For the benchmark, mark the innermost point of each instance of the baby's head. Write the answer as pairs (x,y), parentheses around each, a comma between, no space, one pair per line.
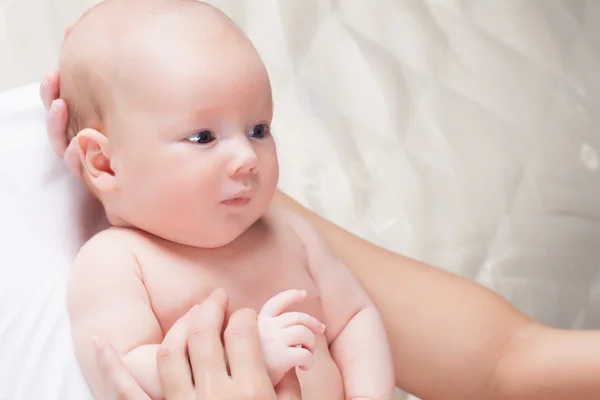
(170,106)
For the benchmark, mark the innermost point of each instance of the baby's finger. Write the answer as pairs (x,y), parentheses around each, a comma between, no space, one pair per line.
(299,357)
(173,366)
(299,335)
(297,318)
(278,303)
(117,380)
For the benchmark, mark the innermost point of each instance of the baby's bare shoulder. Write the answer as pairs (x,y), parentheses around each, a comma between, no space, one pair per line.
(116,239)
(111,249)
(105,269)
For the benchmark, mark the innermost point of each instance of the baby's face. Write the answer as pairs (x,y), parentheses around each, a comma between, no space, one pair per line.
(190,142)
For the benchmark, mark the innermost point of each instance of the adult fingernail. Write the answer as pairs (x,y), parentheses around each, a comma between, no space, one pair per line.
(190,314)
(98,345)
(194,309)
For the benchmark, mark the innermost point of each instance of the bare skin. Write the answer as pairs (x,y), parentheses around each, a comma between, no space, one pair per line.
(487,350)
(175,143)
(199,333)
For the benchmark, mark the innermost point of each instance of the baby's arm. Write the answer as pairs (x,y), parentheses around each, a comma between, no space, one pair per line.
(107,297)
(355,331)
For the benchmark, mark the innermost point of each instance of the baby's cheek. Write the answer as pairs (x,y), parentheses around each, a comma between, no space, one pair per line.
(269,171)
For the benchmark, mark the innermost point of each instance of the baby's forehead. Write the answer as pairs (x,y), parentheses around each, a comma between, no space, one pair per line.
(134,52)
(116,39)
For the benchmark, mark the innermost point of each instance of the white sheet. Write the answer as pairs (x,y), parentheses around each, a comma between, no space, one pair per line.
(460,132)
(39,237)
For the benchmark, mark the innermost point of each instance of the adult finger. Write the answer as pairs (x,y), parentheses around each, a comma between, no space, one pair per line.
(205,324)
(72,160)
(289,387)
(173,367)
(118,381)
(56,112)
(244,351)
(49,89)
(278,303)
(56,125)
(297,318)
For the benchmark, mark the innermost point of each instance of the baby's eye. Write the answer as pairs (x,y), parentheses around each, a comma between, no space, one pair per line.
(202,137)
(259,131)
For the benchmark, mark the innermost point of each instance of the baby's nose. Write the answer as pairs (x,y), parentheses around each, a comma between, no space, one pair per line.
(244,163)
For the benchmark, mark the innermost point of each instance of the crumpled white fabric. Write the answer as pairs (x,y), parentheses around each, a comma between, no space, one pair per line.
(463,133)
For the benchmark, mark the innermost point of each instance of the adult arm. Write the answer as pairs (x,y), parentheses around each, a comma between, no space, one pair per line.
(451,338)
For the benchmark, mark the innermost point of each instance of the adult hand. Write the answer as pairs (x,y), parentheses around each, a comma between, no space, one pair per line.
(56,120)
(199,332)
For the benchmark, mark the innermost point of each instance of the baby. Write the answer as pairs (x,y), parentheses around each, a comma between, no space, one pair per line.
(171,110)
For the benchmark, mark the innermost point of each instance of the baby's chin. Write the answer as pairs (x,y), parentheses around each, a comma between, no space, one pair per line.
(211,241)
(201,231)
(204,238)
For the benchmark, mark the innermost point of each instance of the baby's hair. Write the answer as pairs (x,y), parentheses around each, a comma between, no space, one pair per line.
(84,107)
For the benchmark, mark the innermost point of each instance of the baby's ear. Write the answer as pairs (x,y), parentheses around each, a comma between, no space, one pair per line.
(94,153)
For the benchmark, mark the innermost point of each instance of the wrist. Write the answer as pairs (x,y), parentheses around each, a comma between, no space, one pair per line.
(141,363)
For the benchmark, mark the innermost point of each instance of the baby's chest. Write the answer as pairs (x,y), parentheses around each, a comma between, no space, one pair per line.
(176,282)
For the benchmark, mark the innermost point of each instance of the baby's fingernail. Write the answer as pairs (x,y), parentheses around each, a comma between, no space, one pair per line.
(53,107)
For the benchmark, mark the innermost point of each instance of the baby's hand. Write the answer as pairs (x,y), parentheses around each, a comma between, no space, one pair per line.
(287,339)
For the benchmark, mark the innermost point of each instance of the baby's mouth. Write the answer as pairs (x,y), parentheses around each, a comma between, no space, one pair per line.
(236,202)
(241,198)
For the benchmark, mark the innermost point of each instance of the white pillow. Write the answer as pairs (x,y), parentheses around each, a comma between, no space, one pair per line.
(41,230)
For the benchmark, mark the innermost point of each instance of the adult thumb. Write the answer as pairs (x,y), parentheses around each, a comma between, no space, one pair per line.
(289,387)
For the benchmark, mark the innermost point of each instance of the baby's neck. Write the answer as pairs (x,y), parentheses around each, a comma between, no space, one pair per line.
(239,244)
